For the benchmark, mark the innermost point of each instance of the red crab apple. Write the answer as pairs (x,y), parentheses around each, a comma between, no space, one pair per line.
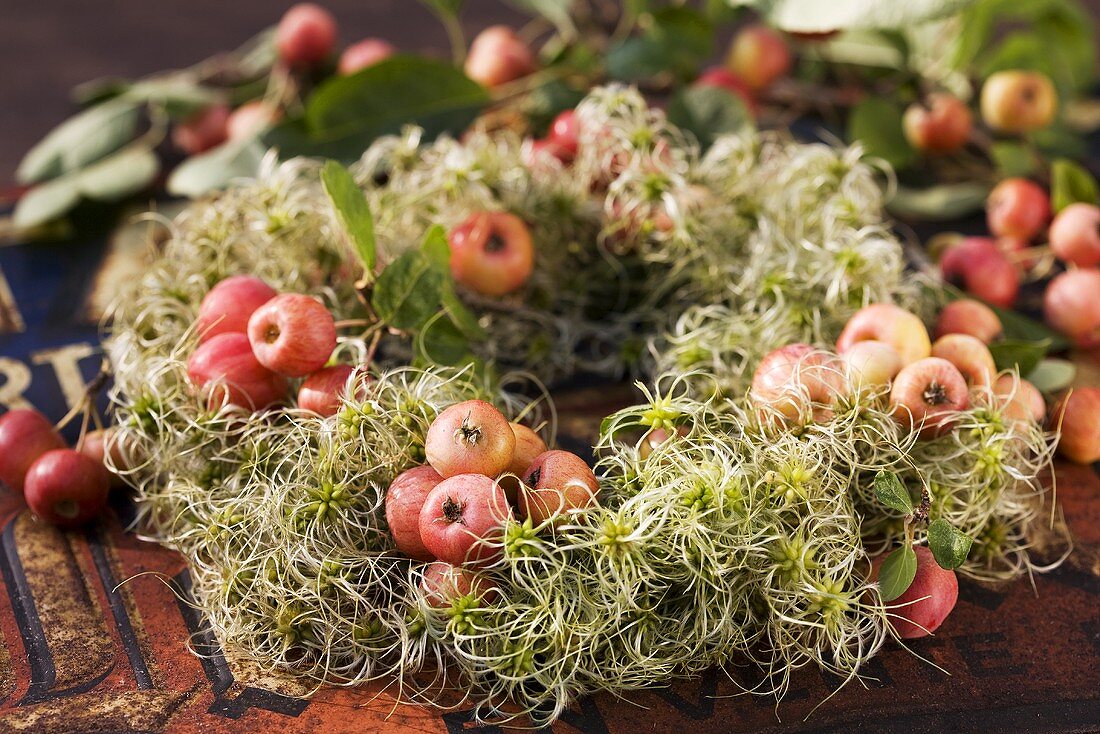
(759,55)
(306,35)
(226,369)
(227,307)
(558,484)
(926,394)
(872,363)
(790,376)
(967,316)
(528,447)
(942,124)
(1077,416)
(96,445)
(654,438)
(204,130)
(66,488)
(497,56)
(1017,101)
(565,134)
(320,392)
(1017,208)
(443,584)
(980,267)
(1075,235)
(471,437)
(292,334)
(970,356)
(1071,306)
(722,78)
(492,253)
(887,323)
(25,435)
(927,602)
(362,54)
(251,119)
(1020,400)
(463,518)
(404,501)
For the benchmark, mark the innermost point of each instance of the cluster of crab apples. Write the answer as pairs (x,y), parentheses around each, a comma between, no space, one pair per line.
(482,472)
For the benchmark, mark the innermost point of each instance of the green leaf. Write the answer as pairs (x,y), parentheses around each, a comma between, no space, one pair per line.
(943,202)
(891,492)
(555,11)
(1014,159)
(46,202)
(897,572)
(876,122)
(635,59)
(1023,355)
(816,16)
(352,210)
(1052,375)
(409,291)
(440,341)
(1019,327)
(674,39)
(81,139)
(1071,183)
(1058,140)
(708,112)
(949,545)
(436,247)
(216,168)
(177,93)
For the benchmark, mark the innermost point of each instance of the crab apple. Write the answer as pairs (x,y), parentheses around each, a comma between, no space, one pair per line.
(462,517)
(443,584)
(789,376)
(722,78)
(227,369)
(759,55)
(927,602)
(941,125)
(95,446)
(1019,399)
(872,363)
(1070,305)
(887,323)
(1075,235)
(926,393)
(979,267)
(206,129)
(970,356)
(306,35)
(1077,417)
(654,438)
(538,151)
(1018,208)
(565,133)
(251,119)
(227,307)
(1018,101)
(292,334)
(492,253)
(362,54)
(471,437)
(66,488)
(25,435)
(497,56)
(557,484)
(320,391)
(404,501)
(967,316)
(529,445)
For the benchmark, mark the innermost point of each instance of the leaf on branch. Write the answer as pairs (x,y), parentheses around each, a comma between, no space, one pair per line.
(876,123)
(949,545)
(352,211)
(891,492)
(1071,183)
(708,112)
(897,572)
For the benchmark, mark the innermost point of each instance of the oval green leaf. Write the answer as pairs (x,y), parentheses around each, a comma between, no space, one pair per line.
(352,211)
(876,123)
(897,572)
(1052,375)
(708,112)
(46,202)
(120,175)
(949,545)
(1071,183)
(81,139)
(891,492)
(938,203)
(216,168)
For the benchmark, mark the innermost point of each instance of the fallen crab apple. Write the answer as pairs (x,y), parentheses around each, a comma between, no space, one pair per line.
(66,488)
(887,323)
(927,391)
(320,391)
(497,56)
(529,445)
(1070,305)
(980,267)
(1075,235)
(940,124)
(1077,416)
(463,519)
(292,334)
(1017,208)
(970,356)
(926,603)
(791,377)
(443,584)
(405,499)
(557,485)
(967,316)
(25,435)
(1015,101)
(306,35)
(227,307)
(871,363)
(471,437)
(492,253)
(226,370)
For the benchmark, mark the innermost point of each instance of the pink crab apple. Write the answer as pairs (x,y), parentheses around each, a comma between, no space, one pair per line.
(872,363)
(492,253)
(227,307)
(1019,399)
(980,268)
(66,488)
(565,134)
(654,438)
(226,369)
(365,53)
(926,394)
(759,55)
(927,602)
(320,392)
(470,437)
(790,376)
(970,356)
(25,435)
(306,35)
(1017,101)
(96,445)
(1075,235)
(404,500)
(498,56)
(443,584)
(529,445)
(1071,306)
(463,519)
(722,78)
(557,485)
(251,119)
(967,316)
(292,334)
(206,129)
(1077,417)
(887,323)
(1017,208)
(940,125)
